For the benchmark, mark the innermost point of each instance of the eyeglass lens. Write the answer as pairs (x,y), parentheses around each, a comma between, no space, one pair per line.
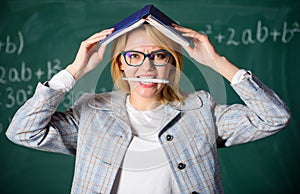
(136,58)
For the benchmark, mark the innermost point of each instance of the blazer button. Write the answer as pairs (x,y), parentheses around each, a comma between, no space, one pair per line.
(181,166)
(169,137)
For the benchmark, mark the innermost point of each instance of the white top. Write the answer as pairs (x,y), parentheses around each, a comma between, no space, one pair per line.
(145,168)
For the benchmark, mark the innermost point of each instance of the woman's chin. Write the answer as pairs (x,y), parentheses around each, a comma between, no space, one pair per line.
(148,90)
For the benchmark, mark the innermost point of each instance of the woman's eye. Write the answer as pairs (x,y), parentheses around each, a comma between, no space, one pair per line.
(135,56)
(132,55)
(160,56)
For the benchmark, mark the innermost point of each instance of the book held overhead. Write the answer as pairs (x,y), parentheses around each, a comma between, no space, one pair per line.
(153,16)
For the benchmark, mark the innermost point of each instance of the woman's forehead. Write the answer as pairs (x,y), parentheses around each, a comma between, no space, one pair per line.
(140,39)
(143,47)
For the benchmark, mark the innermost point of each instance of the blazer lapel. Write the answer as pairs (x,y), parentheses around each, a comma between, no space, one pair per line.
(173,109)
(114,103)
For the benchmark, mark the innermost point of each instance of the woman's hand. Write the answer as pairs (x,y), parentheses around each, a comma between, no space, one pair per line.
(204,52)
(88,55)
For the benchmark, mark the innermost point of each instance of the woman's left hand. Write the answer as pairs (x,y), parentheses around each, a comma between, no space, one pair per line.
(202,51)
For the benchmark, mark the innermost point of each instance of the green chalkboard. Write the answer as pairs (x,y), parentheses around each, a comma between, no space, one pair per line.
(39,38)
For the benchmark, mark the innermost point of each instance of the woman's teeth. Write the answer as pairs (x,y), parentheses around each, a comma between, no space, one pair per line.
(144,79)
(147,80)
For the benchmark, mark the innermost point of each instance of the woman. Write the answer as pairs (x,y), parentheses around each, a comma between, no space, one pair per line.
(148,137)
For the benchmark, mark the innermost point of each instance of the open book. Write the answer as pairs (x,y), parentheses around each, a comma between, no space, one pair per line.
(154,17)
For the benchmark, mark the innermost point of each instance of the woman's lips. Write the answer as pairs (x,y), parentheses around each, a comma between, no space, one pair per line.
(147,85)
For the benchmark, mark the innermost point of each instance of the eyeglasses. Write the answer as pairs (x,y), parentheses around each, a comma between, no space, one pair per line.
(137,58)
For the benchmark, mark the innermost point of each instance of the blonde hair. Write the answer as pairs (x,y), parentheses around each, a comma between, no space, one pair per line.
(171,91)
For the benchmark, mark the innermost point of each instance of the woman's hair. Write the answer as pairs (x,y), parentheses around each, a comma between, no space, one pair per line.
(170,91)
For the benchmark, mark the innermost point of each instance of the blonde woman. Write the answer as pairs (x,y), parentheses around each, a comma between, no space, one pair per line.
(148,137)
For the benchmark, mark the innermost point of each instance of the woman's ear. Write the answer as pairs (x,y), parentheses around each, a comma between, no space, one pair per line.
(122,67)
(121,64)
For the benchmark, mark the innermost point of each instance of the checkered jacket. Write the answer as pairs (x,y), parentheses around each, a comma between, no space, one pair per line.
(97,130)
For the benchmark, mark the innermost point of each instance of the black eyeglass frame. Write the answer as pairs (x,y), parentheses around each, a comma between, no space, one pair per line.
(123,53)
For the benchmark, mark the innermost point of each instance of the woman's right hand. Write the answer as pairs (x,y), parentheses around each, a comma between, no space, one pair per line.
(88,55)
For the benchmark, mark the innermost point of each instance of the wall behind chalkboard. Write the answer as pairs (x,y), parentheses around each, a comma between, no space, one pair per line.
(39,38)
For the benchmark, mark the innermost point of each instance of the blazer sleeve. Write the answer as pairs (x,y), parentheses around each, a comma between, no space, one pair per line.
(37,124)
(263,114)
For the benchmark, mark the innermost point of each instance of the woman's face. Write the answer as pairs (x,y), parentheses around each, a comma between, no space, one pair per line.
(140,41)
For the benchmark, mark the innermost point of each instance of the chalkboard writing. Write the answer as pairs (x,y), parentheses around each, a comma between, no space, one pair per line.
(248,36)
(10,46)
(23,74)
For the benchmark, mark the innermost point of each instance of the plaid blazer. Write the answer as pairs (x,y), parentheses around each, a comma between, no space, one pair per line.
(97,130)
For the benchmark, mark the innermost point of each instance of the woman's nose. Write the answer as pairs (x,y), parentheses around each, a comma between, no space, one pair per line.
(147,64)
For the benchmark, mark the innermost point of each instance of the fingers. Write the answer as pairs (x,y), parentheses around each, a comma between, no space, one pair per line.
(103,32)
(182,29)
(190,33)
(101,50)
(88,43)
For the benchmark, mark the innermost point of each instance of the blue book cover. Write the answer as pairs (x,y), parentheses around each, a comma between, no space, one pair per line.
(151,15)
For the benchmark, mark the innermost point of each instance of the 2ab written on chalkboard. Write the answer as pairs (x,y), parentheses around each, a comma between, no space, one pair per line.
(234,37)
